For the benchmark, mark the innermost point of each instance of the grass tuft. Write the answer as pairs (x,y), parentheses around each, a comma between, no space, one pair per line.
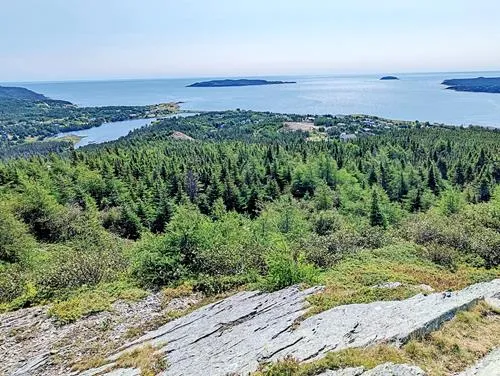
(145,358)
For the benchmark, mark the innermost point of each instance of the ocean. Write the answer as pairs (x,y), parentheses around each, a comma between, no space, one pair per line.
(412,97)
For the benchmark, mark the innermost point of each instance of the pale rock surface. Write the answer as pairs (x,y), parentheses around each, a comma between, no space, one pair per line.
(488,366)
(235,335)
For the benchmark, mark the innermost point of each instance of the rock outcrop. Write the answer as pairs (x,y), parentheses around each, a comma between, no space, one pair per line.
(387,369)
(235,335)
(32,343)
(488,366)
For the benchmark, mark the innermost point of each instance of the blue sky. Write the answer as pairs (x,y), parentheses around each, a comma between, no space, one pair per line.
(98,39)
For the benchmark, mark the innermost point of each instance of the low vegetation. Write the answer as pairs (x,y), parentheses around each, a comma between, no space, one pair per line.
(145,358)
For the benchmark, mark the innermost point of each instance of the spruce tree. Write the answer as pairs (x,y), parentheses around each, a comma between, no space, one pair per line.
(376,216)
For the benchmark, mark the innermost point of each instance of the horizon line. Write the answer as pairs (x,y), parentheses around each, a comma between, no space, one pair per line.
(149,78)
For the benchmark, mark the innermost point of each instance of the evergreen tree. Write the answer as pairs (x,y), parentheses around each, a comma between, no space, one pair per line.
(376,216)
(432,181)
(459,175)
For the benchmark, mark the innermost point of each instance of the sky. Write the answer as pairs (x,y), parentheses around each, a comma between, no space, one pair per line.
(55,40)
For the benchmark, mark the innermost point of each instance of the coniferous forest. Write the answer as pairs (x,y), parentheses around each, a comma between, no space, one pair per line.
(237,200)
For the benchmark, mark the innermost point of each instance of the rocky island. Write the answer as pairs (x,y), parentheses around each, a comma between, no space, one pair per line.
(239,82)
(476,85)
(389,78)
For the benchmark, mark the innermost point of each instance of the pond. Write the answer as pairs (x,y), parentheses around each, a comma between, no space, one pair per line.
(111,131)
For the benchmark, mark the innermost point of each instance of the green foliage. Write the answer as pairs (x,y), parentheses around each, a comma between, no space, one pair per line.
(15,241)
(85,301)
(156,263)
(451,202)
(214,285)
(286,269)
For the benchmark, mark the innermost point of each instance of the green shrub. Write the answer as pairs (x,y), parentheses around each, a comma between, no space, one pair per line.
(213,285)
(441,255)
(285,269)
(485,243)
(12,282)
(156,263)
(80,306)
(326,222)
(85,261)
(15,241)
(451,202)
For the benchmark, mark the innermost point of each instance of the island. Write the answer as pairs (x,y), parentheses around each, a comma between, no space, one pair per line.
(239,82)
(476,85)
(389,78)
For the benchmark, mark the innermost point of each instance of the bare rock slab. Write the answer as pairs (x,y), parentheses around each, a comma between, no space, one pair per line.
(238,333)
(488,366)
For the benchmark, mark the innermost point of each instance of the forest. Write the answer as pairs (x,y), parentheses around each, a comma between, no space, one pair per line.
(241,202)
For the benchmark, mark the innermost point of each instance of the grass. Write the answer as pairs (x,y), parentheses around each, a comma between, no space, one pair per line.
(352,279)
(457,345)
(89,363)
(183,290)
(88,301)
(145,358)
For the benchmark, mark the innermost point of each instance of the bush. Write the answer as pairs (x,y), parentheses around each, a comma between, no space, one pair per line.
(317,251)
(285,269)
(212,285)
(441,255)
(430,228)
(85,301)
(85,261)
(12,282)
(326,222)
(451,202)
(231,249)
(156,263)
(485,243)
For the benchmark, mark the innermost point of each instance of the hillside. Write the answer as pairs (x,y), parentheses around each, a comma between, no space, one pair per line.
(151,235)
(20,93)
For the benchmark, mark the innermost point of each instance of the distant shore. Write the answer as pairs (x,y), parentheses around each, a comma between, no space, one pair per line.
(475,85)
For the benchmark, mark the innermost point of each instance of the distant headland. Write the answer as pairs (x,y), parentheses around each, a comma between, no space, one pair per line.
(476,85)
(388,78)
(20,93)
(240,82)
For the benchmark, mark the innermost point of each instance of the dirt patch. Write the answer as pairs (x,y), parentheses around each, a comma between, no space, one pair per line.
(300,126)
(181,136)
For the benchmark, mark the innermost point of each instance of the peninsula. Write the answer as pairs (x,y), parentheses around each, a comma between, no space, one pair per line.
(477,85)
(20,93)
(239,82)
